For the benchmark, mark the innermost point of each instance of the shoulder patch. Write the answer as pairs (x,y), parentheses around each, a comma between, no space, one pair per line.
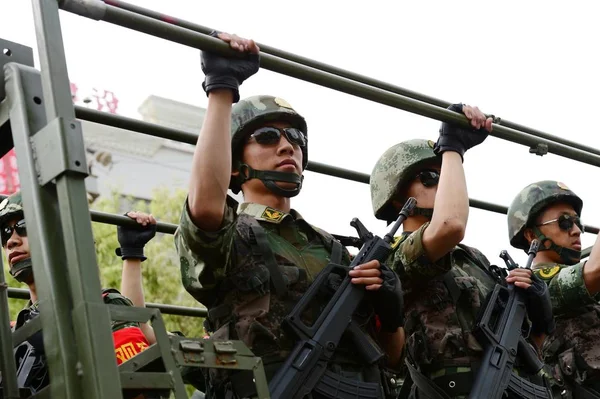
(562,185)
(272,214)
(430,143)
(398,240)
(548,272)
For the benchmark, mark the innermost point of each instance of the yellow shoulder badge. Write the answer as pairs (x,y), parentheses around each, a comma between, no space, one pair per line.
(272,215)
(562,185)
(430,143)
(398,240)
(548,272)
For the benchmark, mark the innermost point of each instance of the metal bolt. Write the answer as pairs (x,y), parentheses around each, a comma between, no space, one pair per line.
(392,381)
(452,384)
(568,368)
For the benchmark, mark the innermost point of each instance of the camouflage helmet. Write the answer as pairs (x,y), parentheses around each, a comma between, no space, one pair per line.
(394,170)
(251,113)
(11,207)
(533,199)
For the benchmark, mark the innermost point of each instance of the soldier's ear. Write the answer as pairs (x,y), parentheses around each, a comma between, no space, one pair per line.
(529,235)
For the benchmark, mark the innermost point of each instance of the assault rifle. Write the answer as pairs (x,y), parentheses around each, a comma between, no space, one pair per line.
(501,330)
(305,369)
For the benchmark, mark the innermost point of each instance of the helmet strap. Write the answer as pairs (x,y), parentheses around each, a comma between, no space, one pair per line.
(425,212)
(22,271)
(269,179)
(567,255)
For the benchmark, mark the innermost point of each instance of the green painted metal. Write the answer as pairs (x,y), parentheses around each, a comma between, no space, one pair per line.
(23,87)
(75,321)
(231,355)
(201,41)
(90,318)
(21,293)
(343,73)
(8,369)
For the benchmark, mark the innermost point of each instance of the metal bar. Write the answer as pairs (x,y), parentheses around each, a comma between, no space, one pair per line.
(20,293)
(109,218)
(141,360)
(341,72)
(89,317)
(197,40)
(132,380)
(23,87)
(26,331)
(8,369)
(164,345)
(190,138)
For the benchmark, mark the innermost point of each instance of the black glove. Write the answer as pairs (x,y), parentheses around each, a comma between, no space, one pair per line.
(133,239)
(539,307)
(227,72)
(388,301)
(458,139)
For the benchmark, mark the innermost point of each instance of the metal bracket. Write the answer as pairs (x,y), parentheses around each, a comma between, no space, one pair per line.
(540,149)
(13,52)
(20,54)
(191,346)
(58,149)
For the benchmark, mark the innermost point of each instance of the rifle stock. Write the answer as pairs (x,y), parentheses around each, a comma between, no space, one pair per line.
(305,369)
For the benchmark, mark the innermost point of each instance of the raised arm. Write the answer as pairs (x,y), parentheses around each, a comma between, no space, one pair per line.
(451,210)
(211,165)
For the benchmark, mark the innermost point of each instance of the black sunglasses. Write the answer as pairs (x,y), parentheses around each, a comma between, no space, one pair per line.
(272,135)
(7,231)
(565,222)
(429,178)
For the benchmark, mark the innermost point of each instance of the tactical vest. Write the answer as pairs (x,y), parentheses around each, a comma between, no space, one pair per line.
(458,296)
(256,297)
(573,350)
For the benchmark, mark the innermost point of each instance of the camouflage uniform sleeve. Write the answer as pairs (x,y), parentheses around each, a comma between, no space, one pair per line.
(410,259)
(567,289)
(204,255)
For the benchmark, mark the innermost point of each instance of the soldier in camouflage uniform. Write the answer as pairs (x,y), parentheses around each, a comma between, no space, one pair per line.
(128,337)
(444,281)
(549,211)
(249,264)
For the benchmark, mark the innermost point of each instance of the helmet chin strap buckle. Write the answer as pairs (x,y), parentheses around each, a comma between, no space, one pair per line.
(269,179)
(567,255)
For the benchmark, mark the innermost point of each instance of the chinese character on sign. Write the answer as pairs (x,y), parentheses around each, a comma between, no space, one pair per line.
(9,175)
(101,100)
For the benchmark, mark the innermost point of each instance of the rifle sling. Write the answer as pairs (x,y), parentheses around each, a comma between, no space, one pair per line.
(262,249)
(425,385)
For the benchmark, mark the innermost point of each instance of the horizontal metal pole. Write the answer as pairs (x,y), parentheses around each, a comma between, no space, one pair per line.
(198,40)
(586,252)
(343,73)
(190,138)
(119,220)
(20,293)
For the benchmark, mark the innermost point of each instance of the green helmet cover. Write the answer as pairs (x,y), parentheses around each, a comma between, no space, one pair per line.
(394,170)
(531,201)
(250,114)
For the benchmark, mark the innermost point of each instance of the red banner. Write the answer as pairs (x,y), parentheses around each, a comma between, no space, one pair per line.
(9,175)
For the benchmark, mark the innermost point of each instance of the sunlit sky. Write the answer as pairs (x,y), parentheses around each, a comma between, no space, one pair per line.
(534,63)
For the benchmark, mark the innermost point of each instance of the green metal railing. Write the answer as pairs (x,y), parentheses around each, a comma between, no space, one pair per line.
(51,161)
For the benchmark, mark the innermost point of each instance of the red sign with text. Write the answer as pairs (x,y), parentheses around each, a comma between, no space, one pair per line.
(101,100)
(9,175)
